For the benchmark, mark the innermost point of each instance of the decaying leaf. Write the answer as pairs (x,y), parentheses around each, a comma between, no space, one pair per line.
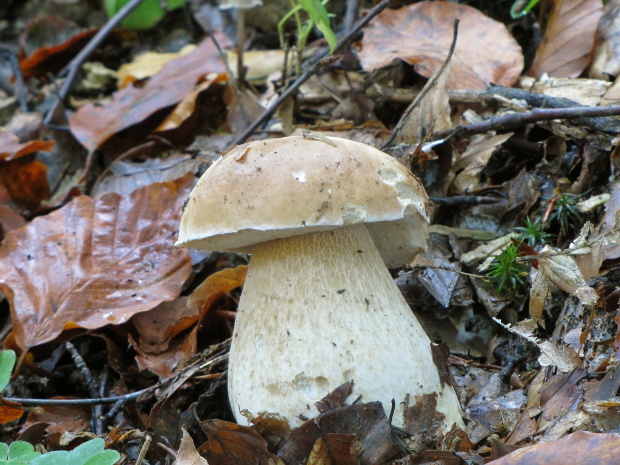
(420,34)
(540,290)
(216,286)
(562,356)
(580,448)
(187,454)
(147,64)
(232,444)
(334,448)
(92,126)
(94,262)
(562,270)
(429,112)
(471,162)
(606,60)
(566,48)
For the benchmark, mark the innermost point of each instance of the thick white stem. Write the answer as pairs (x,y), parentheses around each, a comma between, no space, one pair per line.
(319,310)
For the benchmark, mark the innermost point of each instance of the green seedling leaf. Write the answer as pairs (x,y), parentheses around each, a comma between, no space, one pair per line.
(105,457)
(86,451)
(21,451)
(7,361)
(18,453)
(59,457)
(522,7)
(146,15)
(319,16)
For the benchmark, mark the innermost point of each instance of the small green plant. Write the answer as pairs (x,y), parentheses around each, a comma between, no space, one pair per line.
(90,453)
(22,453)
(146,15)
(533,233)
(317,16)
(522,7)
(566,213)
(505,272)
(17,453)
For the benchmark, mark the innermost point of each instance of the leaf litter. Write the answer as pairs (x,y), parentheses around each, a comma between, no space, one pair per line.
(88,256)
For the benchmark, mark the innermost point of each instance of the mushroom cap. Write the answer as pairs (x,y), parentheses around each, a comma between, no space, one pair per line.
(277,188)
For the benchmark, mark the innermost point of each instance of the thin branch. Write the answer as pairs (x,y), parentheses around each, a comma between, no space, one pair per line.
(464,200)
(312,69)
(515,120)
(100,400)
(74,66)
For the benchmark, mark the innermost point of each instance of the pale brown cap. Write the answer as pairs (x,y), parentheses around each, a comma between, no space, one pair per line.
(278,188)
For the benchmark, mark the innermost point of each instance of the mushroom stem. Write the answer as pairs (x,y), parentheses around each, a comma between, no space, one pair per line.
(318,310)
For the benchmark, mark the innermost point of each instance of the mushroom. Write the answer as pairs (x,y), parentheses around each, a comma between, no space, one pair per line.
(321,217)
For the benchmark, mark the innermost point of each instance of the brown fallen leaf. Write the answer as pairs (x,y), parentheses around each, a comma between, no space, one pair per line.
(94,262)
(10,218)
(232,444)
(606,59)
(580,448)
(10,412)
(92,125)
(366,421)
(420,34)
(60,418)
(188,455)
(11,148)
(568,43)
(52,59)
(336,449)
(217,286)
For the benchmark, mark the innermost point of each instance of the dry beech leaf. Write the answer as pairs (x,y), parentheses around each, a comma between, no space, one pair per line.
(559,355)
(9,412)
(11,148)
(188,455)
(52,59)
(232,444)
(367,422)
(606,60)
(566,48)
(420,34)
(469,165)
(159,325)
(429,112)
(61,418)
(92,125)
(334,448)
(94,262)
(147,64)
(217,286)
(164,363)
(562,270)
(541,289)
(580,448)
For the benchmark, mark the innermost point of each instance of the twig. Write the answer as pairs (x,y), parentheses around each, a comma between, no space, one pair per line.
(85,373)
(312,69)
(72,69)
(20,87)
(100,400)
(514,120)
(98,419)
(425,90)
(464,200)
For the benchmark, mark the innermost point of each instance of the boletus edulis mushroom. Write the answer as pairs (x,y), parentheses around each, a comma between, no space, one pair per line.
(321,218)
